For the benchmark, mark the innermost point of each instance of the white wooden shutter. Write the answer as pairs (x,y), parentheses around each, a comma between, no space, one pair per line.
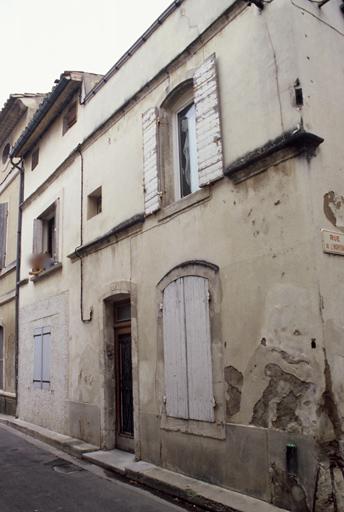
(57,230)
(46,357)
(37,358)
(208,124)
(37,247)
(175,351)
(151,178)
(198,343)
(3,233)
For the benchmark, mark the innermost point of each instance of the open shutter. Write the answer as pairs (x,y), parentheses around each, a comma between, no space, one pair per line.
(199,361)
(208,125)
(37,358)
(175,350)
(57,230)
(151,178)
(3,233)
(46,357)
(37,247)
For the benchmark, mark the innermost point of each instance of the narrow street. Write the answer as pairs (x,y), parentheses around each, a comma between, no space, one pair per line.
(33,479)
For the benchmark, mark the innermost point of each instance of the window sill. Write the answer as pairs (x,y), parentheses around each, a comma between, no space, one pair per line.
(6,270)
(215,430)
(46,273)
(184,203)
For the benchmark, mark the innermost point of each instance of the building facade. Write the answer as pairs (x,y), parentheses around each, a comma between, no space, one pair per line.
(182,235)
(15,114)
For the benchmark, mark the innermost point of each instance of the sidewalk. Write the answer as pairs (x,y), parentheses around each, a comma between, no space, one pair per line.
(186,489)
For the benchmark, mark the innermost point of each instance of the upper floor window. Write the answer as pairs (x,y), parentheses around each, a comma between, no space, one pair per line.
(185,146)
(182,143)
(3,233)
(6,152)
(34,158)
(94,203)
(70,116)
(45,240)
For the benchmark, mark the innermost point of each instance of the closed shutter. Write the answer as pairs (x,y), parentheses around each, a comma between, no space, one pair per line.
(208,125)
(3,233)
(151,177)
(37,358)
(199,361)
(46,356)
(175,350)
(37,247)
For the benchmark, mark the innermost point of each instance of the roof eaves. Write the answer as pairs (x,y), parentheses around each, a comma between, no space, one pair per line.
(133,49)
(43,109)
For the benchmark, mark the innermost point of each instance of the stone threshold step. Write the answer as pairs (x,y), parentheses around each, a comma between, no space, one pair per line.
(189,490)
(70,445)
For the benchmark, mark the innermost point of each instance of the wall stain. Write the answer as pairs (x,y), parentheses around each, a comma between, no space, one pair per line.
(278,404)
(287,491)
(234,381)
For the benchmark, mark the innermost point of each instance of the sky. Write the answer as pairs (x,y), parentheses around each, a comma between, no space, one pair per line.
(39,39)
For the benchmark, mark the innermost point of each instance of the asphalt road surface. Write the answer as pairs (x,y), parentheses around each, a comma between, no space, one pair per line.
(37,478)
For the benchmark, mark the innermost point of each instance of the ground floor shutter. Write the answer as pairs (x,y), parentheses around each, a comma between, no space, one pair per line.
(208,123)
(2,341)
(3,233)
(46,356)
(199,360)
(175,351)
(37,358)
(42,357)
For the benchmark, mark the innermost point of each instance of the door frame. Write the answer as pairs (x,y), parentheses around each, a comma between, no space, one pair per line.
(123,441)
(112,293)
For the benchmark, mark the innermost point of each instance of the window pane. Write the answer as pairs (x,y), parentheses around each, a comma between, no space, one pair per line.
(123,312)
(188,151)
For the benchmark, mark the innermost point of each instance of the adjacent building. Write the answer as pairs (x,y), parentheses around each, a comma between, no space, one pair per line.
(182,239)
(15,114)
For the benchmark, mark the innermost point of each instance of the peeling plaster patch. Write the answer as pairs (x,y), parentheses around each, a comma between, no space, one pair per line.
(280,400)
(288,357)
(334,209)
(234,381)
(287,487)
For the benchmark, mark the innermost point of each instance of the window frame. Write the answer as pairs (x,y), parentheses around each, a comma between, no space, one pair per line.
(215,429)
(40,238)
(93,200)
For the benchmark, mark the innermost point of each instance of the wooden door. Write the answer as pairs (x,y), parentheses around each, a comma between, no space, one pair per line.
(124,380)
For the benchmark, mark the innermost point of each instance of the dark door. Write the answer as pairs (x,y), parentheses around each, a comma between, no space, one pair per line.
(124,379)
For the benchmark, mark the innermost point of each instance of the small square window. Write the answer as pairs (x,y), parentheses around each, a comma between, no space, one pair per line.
(34,159)
(94,203)
(70,117)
